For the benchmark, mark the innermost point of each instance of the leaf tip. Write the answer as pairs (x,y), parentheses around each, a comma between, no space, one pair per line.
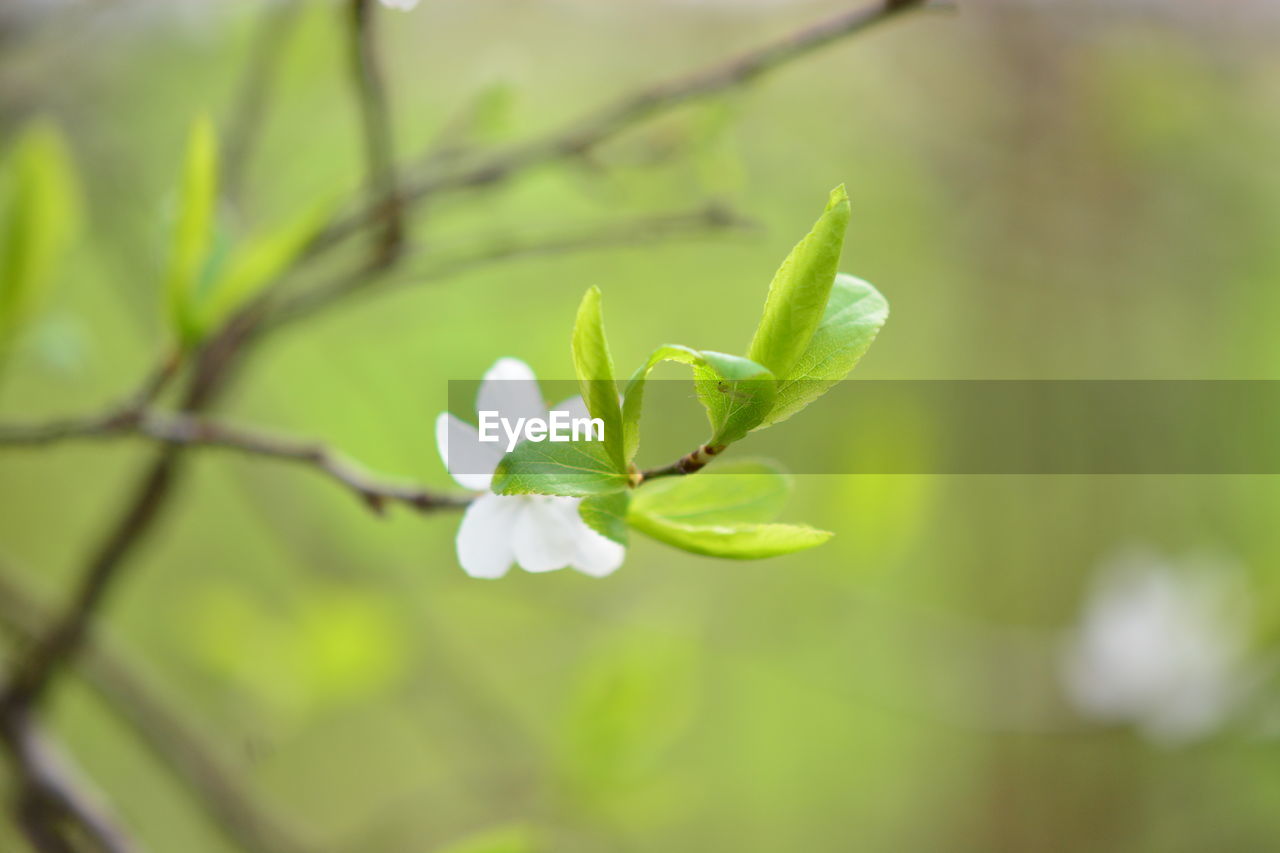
(839,196)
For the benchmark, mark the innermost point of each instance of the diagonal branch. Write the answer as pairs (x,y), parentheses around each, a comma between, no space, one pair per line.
(55,806)
(34,671)
(634,232)
(601,125)
(169,738)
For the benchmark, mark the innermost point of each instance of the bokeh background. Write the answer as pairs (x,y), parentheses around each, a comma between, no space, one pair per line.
(1041,190)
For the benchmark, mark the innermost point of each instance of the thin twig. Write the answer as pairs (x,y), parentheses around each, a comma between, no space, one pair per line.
(386,204)
(114,417)
(629,233)
(690,463)
(170,739)
(601,125)
(376,493)
(190,431)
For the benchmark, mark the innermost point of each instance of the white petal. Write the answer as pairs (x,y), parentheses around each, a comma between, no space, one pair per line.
(468,460)
(486,534)
(511,389)
(579,546)
(545,538)
(597,555)
(402,5)
(593,554)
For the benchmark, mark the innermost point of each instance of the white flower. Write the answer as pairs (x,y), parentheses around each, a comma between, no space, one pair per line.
(402,5)
(539,532)
(1161,647)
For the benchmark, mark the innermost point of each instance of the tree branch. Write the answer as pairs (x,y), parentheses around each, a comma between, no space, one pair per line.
(166,735)
(115,416)
(54,805)
(189,431)
(628,233)
(375,492)
(599,126)
(690,463)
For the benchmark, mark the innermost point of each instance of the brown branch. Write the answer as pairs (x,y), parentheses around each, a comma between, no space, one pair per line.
(58,643)
(690,463)
(55,806)
(376,493)
(170,739)
(115,416)
(628,233)
(189,431)
(386,205)
(601,125)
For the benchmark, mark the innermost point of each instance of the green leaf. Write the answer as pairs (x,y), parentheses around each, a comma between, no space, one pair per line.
(42,213)
(594,366)
(193,231)
(854,316)
(574,468)
(730,541)
(256,265)
(799,290)
(607,515)
(738,491)
(736,392)
(720,514)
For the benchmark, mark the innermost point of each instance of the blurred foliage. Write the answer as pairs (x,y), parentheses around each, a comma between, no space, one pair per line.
(40,216)
(1040,190)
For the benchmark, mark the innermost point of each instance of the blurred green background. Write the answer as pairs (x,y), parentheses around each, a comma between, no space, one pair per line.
(1041,190)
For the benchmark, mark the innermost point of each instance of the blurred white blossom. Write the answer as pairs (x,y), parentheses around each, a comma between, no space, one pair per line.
(538,532)
(402,5)
(1161,646)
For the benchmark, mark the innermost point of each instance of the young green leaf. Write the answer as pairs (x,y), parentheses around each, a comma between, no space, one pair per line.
(736,392)
(854,316)
(722,514)
(799,290)
(607,515)
(594,366)
(740,491)
(256,265)
(41,213)
(573,468)
(730,541)
(193,231)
